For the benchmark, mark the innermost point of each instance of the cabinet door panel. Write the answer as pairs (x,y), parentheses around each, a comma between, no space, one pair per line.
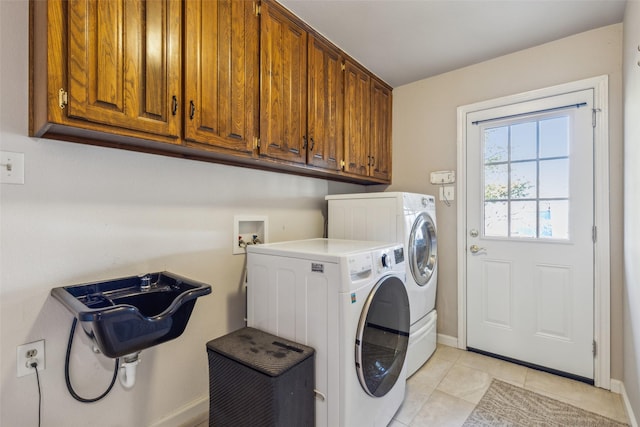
(380,131)
(357,119)
(325,93)
(283,100)
(221,73)
(154,78)
(124,63)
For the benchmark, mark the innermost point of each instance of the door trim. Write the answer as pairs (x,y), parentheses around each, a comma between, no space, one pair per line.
(602,277)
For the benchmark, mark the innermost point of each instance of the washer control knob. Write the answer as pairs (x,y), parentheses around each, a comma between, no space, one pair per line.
(386,261)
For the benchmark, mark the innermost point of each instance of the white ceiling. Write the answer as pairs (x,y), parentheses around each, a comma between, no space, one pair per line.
(403,41)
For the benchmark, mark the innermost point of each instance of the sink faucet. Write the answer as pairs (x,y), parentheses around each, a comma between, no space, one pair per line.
(145,282)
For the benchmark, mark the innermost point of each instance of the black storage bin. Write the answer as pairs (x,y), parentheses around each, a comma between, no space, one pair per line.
(259,379)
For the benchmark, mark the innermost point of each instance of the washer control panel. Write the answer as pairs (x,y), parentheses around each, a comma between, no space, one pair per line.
(363,265)
(389,259)
(360,264)
(398,255)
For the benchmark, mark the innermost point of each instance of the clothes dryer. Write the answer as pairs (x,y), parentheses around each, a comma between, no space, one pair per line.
(406,218)
(347,300)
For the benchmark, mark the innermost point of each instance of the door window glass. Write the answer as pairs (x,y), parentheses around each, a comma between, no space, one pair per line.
(423,249)
(526,178)
(383,337)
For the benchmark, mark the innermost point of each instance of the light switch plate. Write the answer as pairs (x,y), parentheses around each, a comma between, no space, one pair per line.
(11,167)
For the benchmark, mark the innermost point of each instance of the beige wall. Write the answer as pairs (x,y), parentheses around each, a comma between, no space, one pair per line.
(424,138)
(631,295)
(88,213)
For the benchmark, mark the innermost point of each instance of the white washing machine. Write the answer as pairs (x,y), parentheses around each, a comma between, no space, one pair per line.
(348,300)
(407,218)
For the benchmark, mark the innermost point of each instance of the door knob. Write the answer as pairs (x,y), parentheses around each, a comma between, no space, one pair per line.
(475,249)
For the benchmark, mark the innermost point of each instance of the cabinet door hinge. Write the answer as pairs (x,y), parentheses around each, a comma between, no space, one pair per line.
(343,66)
(256,8)
(63,98)
(595,348)
(256,143)
(342,164)
(594,234)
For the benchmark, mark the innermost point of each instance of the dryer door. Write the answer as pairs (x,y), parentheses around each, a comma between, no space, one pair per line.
(383,336)
(423,249)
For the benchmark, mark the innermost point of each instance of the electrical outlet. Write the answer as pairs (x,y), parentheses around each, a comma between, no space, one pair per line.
(28,353)
(447,192)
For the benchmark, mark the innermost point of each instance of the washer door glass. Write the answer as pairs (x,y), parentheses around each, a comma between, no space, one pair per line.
(383,336)
(423,249)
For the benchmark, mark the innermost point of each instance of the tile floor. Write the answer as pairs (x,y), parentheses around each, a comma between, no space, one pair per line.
(446,389)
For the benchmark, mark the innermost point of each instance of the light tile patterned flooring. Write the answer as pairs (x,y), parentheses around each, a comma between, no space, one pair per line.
(446,389)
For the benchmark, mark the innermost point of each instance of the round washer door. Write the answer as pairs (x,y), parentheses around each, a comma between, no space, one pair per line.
(383,336)
(423,249)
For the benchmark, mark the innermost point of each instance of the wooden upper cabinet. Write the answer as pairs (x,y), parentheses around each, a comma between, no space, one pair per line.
(325,122)
(367,124)
(222,78)
(283,93)
(380,165)
(124,62)
(357,119)
(235,81)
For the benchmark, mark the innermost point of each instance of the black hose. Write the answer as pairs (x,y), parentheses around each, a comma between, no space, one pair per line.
(66,371)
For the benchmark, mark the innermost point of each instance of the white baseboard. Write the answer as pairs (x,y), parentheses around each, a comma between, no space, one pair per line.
(189,415)
(448,340)
(617,386)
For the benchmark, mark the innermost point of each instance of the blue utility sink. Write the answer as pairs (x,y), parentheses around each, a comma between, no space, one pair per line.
(129,314)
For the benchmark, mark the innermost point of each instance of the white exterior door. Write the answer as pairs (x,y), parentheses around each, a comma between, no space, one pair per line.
(530,218)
